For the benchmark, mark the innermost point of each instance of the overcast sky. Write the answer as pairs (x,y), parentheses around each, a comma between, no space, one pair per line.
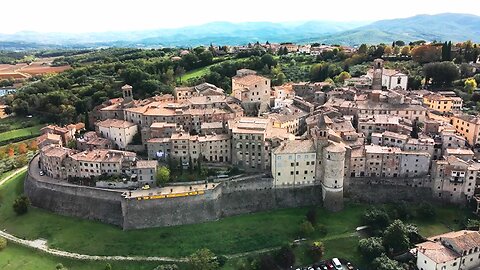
(112,15)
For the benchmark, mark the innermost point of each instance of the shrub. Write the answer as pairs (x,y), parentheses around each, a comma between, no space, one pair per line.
(306,228)
(20,205)
(3,243)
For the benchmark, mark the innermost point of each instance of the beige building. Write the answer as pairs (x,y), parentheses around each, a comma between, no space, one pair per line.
(382,123)
(47,139)
(442,104)
(204,89)
(252,142)
(293,163)
(90,141)
(392,162)
(186,148)
(454,179)
(251,88)
(468,126)
(450,251)
(52,160)
(120,132)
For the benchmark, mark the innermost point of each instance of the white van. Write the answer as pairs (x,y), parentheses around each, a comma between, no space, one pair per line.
(337,264)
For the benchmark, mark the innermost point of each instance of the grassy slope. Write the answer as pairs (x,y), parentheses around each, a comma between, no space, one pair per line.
(16,257)
(226,236)
(229,235)
(22,132)
(195,73)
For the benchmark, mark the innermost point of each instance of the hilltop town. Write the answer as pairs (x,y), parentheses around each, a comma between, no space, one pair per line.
(144,143)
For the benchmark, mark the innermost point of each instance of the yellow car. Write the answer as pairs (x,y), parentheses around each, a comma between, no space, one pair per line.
(146,187)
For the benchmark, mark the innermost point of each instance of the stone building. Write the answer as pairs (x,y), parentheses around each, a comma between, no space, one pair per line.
(252,90)
(454,179)
(120,132)
(252,142)
(387,78)
(293,163)
(450,251)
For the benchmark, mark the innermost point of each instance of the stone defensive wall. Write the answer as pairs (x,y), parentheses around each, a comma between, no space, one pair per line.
(228,197)
(373,190)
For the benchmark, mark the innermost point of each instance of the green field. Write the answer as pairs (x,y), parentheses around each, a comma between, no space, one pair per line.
(199,72)
(226,236)
(17,122)
(16,257)
(21,132)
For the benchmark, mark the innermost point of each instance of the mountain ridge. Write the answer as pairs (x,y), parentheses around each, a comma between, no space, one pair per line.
(444,26)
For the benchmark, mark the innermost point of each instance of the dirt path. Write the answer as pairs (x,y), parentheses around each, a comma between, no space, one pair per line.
(19,170)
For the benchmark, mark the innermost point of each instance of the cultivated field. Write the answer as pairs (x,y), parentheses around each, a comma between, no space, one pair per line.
(22,70)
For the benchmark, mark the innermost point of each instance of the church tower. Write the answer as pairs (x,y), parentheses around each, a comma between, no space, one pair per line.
(127,91)
(377,74)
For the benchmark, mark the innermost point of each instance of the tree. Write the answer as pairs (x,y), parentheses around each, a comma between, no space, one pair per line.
(388,50)
(108,266)
(470,85)
(405,50)
(20,205)
(203,259)
(371,247)
(426,54)
(3,243)
(385,263)
(267,59)
(163,175)
(317,250)
(441,73)
(342,77)
(306,228)
(395,237)
(362,49)
(11,151)
(376,219)
(285,257)
(312,216)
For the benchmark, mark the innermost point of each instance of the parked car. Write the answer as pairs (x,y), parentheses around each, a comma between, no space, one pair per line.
(329,265)
(146,187)
(337,264)
(350,266)
(42,173)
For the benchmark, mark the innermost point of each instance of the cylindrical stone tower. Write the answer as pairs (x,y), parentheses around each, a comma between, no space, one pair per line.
(333,176)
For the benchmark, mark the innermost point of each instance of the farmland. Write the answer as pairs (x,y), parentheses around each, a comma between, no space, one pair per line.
(25,70)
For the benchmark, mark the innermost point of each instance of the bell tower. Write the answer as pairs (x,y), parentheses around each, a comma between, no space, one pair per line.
(127,91)
(377,74)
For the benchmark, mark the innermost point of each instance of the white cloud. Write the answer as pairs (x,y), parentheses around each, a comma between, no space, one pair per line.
(111,15)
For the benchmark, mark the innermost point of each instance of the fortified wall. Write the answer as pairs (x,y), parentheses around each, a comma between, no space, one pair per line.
(232,197)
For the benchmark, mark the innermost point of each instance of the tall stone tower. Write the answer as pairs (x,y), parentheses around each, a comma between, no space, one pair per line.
(333,160)
(377,74)
(127,91)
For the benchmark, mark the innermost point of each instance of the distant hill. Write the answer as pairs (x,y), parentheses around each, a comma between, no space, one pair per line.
(440,27)
(446,26)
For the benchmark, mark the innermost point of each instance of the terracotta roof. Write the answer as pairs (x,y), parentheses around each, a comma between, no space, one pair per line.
(116,123)
(249,80)
(437,252)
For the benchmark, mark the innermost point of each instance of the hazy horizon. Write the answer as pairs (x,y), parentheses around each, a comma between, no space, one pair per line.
(113,16)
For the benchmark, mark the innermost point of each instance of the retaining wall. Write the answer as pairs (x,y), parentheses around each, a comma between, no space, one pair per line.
(232,197)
